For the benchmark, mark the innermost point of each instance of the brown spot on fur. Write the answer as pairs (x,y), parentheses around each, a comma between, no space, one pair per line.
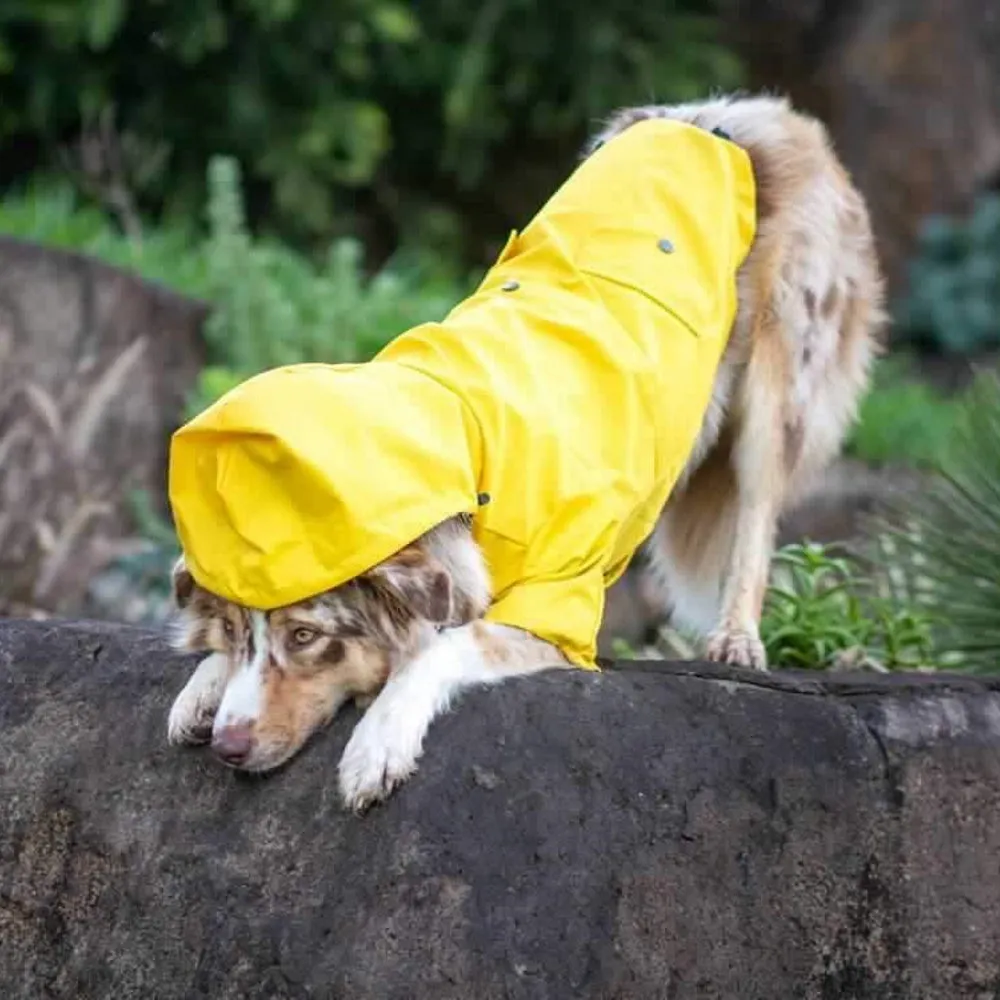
(491,647)
(381,608)
(831,302)
(183,584)
(419,584)
(794,437)
(297,704)
(202,623)
(334,652)
(463,610)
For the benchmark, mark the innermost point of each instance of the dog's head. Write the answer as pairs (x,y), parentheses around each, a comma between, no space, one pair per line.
(290,669)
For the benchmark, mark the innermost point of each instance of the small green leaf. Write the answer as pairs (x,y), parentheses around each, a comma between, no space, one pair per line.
(105,18)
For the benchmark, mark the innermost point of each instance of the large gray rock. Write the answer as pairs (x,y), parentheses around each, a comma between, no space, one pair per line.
(655,831)
(95,365)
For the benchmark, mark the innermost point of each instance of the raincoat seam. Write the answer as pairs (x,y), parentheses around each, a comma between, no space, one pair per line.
(646,295)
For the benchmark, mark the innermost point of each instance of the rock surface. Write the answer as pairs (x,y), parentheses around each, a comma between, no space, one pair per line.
(94,367)
(657,831)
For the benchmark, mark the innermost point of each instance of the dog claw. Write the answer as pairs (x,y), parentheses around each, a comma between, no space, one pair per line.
(373,766)
(737,647)
(190,736)
(187,728)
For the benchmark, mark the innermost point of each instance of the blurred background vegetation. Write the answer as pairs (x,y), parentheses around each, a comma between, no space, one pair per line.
(368,140)
(408,124)
(326,175)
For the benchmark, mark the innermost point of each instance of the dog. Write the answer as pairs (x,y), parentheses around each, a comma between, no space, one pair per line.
(404,637)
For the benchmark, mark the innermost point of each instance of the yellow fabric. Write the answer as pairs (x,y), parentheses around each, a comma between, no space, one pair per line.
(570,388)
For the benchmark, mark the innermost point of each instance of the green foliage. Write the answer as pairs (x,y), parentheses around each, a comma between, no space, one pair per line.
(949,546)
(149,568)
(954,299)
(52,213)
(379,110)
(822,612)
(902,419)
(271,305)
(274,307)
(622,649)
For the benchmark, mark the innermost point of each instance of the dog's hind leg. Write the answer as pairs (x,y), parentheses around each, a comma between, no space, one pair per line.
(812,340)
(759,465)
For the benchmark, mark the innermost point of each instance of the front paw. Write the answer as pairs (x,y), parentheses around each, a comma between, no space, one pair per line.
(193,712)
(739,647)
(190,720)
(378,757)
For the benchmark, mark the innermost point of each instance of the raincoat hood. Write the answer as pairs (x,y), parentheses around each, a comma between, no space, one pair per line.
(304,477)
(569,390)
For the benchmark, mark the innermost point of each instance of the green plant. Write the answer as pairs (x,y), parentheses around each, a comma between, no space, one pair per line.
(949,541)
(822,612)
(272,306)
(149,568)
(953,303)
(52,212)
(365,110)
(622,649)
(902,419)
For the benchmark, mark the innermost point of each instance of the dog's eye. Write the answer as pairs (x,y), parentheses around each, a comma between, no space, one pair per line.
(228,629)
(303,636)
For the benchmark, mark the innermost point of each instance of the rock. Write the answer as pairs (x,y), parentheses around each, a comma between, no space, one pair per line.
(846,501)
(654,831)
(96,364)
(910,90)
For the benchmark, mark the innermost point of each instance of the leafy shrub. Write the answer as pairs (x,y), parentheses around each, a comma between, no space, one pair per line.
(949,545)
(374,110)
(271,305)
(274,307)
(902,419)
(953,304)
(822,611)
(53,213)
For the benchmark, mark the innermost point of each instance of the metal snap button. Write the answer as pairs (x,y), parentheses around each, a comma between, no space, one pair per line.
(510,286)
(665,245)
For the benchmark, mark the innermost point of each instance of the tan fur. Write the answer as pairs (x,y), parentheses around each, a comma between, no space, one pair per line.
(790,379)
(411,632)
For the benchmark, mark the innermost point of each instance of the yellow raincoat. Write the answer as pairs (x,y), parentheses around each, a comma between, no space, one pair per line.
(558,404)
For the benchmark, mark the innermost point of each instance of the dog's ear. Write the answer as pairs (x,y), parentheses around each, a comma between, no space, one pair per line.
(182,583)
(420,582)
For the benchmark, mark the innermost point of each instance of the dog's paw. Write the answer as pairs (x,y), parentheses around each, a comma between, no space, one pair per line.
(190,720)
(380,755)
(737,647)
(193,712)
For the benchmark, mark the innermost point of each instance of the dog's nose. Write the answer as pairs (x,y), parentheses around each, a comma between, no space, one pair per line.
(233,743)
